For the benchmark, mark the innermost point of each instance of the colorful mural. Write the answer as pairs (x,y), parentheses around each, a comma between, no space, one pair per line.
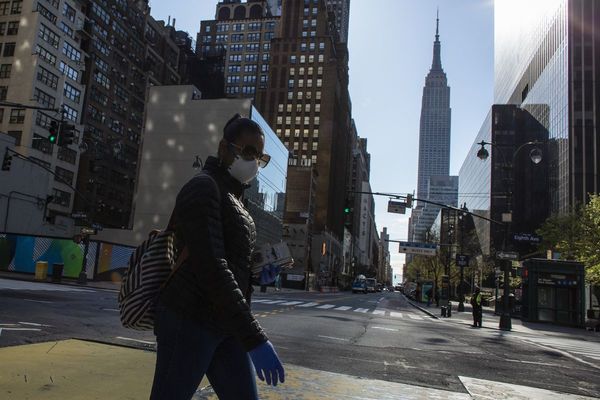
(20,253)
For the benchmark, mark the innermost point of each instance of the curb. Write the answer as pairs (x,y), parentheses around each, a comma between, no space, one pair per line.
(421,308)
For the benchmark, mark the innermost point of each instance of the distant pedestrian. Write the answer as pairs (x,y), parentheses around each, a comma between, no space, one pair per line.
(437,298)
(278,282)
(429,295)
(477,308)
(203,322)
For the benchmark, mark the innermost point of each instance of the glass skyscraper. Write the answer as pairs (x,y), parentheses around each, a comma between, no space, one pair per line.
(547,62)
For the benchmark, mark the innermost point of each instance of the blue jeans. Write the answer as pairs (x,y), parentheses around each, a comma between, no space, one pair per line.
(187,350)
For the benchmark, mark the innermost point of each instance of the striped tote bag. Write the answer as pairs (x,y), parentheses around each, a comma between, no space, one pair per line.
(150,266)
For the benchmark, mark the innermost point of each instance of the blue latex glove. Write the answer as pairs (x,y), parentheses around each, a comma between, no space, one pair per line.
(269,273)
(267,364)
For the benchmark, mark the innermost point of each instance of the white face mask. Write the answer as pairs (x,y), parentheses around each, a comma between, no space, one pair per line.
(242,170)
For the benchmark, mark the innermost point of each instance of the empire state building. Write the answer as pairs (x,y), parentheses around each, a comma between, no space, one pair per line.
(434,146)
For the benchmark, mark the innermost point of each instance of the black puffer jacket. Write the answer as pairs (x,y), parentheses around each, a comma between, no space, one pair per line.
(214,284)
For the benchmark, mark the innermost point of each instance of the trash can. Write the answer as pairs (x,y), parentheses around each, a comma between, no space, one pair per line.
(57,272)
(41,270)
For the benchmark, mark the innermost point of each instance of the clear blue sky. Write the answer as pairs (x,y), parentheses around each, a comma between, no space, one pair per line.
(391,45)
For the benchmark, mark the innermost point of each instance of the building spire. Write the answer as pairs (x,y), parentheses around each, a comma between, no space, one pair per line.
(437,59)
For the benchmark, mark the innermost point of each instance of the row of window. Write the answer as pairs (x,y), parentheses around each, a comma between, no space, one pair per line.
(307,120)
(300,83)
(252,26)
(14,7)
(306,133)
(235,69)
(240,89)
(310,71)
(303,59)
(299,108)
(303,95)
(239,37)
(9,28)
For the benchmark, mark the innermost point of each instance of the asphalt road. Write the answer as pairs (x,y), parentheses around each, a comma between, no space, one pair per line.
(378,336)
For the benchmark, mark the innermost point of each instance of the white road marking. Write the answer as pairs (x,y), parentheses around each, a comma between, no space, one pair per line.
(326,306)
(39,301)
(344,308)
(273,301)
(111,309)
(8,324)
(415,317)
(362,310)
(291,303)
(396,314)
(32,324)
(379,312)
(308,305)
(334,338)
(19,329)
(135,340)
(385,329)
(381,299)
(259,300)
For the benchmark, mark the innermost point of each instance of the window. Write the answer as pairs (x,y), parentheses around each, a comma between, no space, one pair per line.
(233,79)
(4,7)
(251,57)
(264,68)
(17,135)
(102,79)
(292,59)
(72,93)
(238,27)
(3,92)
(16,7)
(239,37)
(54,3)
(322,46)
(254,26)
(302,59)
(207,28)
(235,58)
(5,70)
(220,28)
(70,113)
(43,98)
(72,52)
(46,13)
(49,36)
(321,58)
(254,37)
(17,116)
(69,12)
(102,47)
(2,27)
(222,38)
(252,68)
(61,197)
(42,144)
(100,13)
(63,175)
(319,83)
(66,29)
(234,69)
(9,49)
(47,78)
(70,72)
(67,155)
(269,36)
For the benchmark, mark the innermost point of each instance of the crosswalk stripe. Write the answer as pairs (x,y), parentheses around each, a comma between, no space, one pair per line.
(326,306)
(273,301)
(414,317)
(308,305)
(291,303)
(362,310)
(396,314)
(378,312)
(259,300)
(343,308)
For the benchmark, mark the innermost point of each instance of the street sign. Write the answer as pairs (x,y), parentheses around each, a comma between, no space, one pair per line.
(79,215)
(527,237)
(462,260)
(507,255)
(88,231)
(396,207)
(423,249)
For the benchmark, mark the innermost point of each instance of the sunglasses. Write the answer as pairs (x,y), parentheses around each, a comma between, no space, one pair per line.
(251,153)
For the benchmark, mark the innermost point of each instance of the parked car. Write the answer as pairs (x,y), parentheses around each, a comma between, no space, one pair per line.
(360,284)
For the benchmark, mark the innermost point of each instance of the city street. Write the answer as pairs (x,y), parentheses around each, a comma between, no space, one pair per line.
(376,336)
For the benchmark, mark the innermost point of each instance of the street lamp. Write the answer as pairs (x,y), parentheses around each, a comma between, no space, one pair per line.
(536,156)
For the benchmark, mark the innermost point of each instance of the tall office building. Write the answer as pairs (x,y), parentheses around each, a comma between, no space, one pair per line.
(237,43)
(341,14)
(308,103)
(126,52)
(42,64)
(546,62)
(434,141)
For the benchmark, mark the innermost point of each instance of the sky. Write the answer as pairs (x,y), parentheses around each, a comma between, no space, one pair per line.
(391,48)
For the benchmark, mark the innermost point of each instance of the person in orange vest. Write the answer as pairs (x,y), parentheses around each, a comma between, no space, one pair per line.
(477,308)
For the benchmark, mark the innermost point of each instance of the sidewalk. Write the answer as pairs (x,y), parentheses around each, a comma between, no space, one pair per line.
(492,321)
(76,369)
(104,285)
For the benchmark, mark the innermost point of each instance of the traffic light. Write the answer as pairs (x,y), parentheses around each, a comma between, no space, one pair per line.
(409,200)
(348,213)
(6,161)
(67,135)
(53,130)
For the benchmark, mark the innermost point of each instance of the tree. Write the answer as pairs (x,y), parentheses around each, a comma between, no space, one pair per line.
(576,236)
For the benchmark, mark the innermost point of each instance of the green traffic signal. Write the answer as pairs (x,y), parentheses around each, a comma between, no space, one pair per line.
(53,130)
(347,210)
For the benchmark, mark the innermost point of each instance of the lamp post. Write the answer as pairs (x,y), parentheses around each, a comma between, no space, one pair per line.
(536,157)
